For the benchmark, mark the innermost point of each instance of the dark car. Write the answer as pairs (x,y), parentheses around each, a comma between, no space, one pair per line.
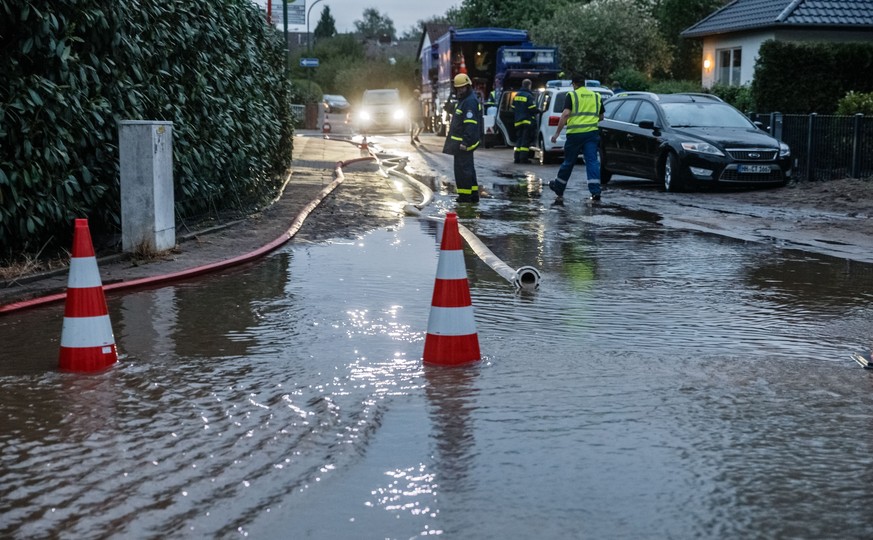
(686,141)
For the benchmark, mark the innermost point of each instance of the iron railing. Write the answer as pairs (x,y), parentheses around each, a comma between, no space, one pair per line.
(824,147)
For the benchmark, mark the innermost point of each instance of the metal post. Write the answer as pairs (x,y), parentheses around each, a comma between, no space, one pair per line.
(776,125)
(285,19)
(309,43)
(308,38)
(856,146)
(809,147)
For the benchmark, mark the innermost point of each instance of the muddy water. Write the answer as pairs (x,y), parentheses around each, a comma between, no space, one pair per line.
(659,384)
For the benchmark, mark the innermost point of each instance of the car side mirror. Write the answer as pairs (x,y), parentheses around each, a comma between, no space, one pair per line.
(760,125)
(647,124)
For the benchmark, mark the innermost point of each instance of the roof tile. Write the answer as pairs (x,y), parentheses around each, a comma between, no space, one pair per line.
(754,14)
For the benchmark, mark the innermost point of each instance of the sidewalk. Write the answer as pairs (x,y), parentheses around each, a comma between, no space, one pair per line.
(312,171)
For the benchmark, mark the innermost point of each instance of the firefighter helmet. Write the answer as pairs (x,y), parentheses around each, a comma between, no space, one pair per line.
(462,79)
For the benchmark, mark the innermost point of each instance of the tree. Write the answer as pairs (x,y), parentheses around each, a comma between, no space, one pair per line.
(326,27)
(604,36)
(374,25)
(674,16)
(506,13)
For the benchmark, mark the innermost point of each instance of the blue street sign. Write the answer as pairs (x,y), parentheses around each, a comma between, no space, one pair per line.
(309,62)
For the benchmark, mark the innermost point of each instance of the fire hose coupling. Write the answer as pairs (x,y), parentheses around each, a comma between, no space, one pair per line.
(527,278)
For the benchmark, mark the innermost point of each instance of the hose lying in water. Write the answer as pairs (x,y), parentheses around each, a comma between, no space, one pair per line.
(525,278)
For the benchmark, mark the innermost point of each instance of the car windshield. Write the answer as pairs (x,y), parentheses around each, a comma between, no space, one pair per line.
(704,115)
(381,98)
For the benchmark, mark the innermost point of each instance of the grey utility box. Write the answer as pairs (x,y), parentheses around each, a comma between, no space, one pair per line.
(145,151)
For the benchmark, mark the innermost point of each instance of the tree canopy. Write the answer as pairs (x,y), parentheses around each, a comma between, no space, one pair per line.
(604,36)
(326,25)
(374,25)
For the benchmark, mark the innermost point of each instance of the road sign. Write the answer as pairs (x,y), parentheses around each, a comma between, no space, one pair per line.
(309,62)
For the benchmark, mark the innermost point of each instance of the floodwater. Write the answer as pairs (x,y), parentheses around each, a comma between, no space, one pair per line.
(659,384)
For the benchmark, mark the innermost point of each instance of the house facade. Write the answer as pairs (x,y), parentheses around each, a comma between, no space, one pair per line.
(732,36)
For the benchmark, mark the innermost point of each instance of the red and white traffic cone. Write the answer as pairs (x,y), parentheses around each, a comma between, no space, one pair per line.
(365,148)
(325,126)
(463,68)
(87,343)
(451,329)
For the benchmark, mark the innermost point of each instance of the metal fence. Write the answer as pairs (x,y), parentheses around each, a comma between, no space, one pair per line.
(824,147)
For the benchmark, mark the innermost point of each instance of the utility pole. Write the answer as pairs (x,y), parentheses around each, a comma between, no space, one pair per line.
(285,19)
(309,42)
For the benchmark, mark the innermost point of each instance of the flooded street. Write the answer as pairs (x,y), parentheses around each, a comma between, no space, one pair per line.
(660,383)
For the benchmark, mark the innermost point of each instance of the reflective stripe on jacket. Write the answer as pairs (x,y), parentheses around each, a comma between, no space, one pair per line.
(585,113)
(525,107)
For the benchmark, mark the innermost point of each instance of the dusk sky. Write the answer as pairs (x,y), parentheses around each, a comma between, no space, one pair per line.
(404,13)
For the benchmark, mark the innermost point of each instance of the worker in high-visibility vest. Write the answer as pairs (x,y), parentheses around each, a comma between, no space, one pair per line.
(583,110)
(465,134)
(525,108)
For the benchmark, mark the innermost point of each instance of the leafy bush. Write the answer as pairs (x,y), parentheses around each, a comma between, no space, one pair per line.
(674,87)
(856,102)
(74,68)
(630,79)
(738,96)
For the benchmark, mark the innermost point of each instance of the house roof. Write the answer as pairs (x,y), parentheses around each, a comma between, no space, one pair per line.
(741,15)
(432,31)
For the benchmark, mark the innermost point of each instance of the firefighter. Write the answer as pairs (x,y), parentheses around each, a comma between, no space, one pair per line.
(491,101)
(465,134)
(525,109)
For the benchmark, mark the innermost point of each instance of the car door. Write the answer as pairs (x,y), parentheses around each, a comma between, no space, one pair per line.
(616,135)
(644,143)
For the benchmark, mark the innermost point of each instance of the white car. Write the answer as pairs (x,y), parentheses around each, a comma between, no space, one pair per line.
(550,102)
(382,110)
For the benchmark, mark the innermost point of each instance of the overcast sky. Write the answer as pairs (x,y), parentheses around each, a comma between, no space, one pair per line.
(404,13)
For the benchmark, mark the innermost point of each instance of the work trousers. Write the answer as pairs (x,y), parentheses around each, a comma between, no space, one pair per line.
(586,144)
(523,139)
(465,177)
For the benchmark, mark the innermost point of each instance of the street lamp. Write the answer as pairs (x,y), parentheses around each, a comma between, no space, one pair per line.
(308,37)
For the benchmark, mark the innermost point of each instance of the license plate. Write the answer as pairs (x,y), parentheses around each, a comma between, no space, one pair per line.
(753,168)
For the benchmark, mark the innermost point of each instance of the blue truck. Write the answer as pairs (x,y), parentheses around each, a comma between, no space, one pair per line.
(494,58)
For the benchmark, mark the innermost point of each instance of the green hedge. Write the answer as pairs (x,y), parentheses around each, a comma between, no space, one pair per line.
(74,68)
(801,78)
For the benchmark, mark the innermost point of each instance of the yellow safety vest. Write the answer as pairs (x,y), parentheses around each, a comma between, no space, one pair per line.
(585,113)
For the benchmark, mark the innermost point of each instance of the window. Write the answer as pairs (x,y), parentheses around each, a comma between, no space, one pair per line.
(626,110)
(646,112)
(728,68)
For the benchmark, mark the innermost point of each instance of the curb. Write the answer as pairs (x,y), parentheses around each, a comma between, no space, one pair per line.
(295,226)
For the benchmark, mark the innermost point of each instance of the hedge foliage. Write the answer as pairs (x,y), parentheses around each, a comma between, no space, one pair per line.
(72,69)
(855,103)
(802,78)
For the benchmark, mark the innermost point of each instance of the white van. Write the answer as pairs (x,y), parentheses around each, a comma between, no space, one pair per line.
(381,110)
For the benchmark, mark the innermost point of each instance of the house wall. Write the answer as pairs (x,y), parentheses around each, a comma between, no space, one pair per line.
(750,43)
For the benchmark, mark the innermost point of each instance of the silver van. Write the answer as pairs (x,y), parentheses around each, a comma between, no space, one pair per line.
(381,110)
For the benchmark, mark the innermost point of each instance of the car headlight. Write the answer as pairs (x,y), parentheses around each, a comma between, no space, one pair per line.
(399,114)
(364,115)
(784,150)
(702,148)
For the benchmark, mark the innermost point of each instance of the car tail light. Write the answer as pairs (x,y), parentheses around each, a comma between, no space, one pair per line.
(553,120)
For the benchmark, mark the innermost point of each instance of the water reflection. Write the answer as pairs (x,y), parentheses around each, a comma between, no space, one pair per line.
(451,398)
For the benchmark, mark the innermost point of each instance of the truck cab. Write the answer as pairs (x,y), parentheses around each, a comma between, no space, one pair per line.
(516,63)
